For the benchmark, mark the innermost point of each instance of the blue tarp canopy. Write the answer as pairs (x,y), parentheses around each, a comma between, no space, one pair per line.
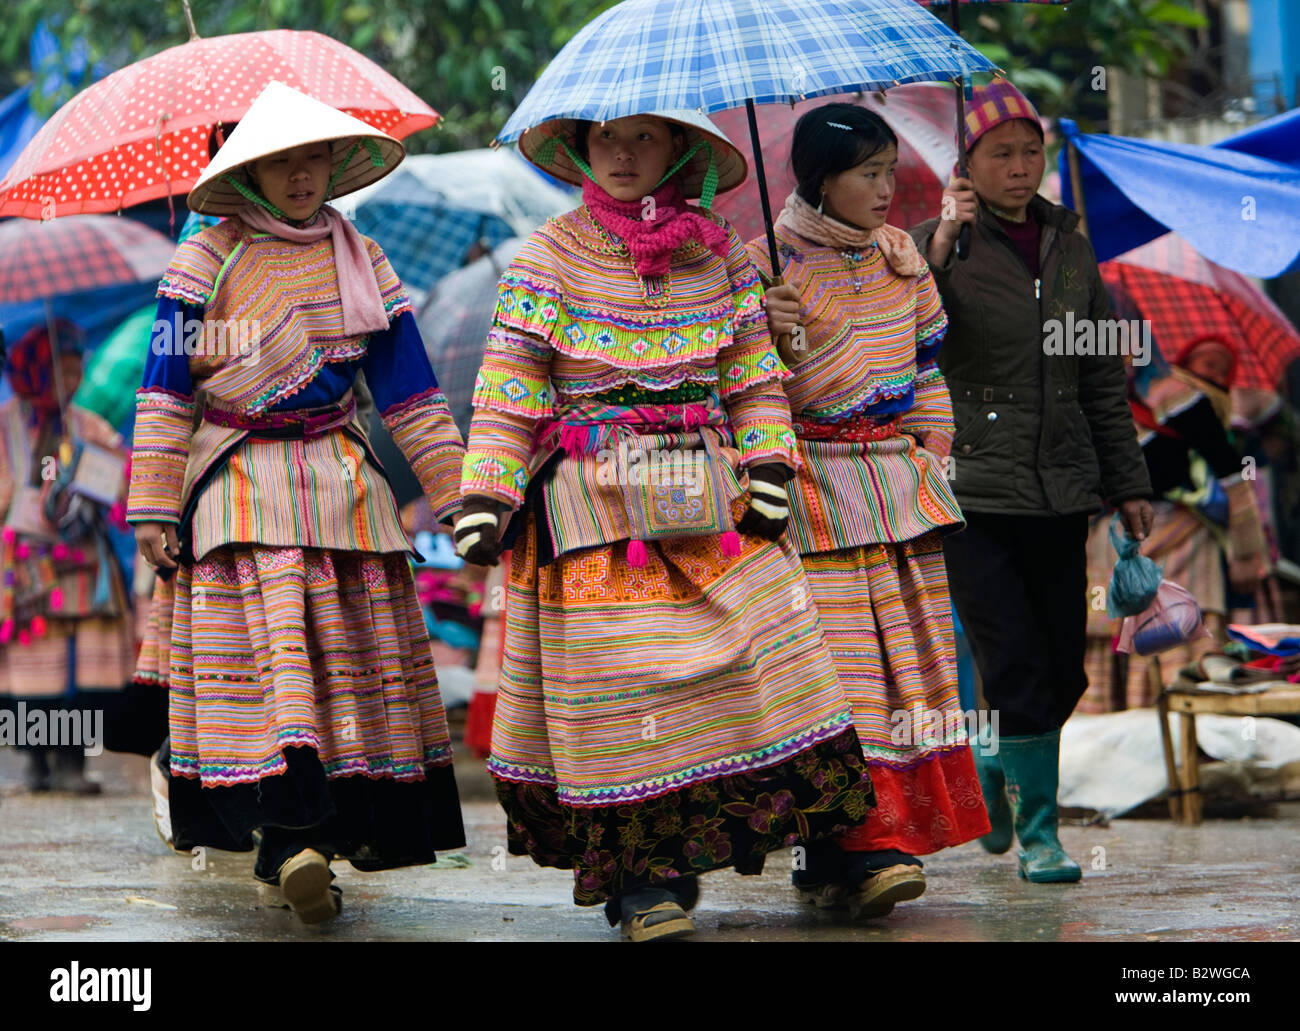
(1277,139)
(1234,207)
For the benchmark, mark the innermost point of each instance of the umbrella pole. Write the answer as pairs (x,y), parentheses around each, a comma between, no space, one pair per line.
(762,187)
(1076,185)
(783,348)
(963,235)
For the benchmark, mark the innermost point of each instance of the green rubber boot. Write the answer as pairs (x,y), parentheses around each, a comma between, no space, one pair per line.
(1032,768)
(993,785)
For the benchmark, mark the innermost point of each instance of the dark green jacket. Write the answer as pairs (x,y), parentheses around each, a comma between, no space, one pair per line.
(1036,434)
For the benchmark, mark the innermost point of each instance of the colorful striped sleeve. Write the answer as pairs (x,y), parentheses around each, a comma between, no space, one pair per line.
(930,418)
(164,408)
(931,320)
(512,393)
(415,411)
(750,373)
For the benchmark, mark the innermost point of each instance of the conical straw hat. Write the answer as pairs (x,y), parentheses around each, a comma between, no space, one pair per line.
(730,163)
(281,118)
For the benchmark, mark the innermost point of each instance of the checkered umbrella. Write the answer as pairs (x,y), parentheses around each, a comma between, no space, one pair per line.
(454,323)
(422,235)
(82,252)
(710,55)
(1188,299)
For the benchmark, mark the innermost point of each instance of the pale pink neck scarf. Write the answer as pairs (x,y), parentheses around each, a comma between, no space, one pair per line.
(896,246)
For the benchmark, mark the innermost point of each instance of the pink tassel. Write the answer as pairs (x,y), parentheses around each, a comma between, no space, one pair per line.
(24,638)
(637,556)
(78,556)
(56,598)
(38,626)
(574,439)
(731,544)
(22,552)
(6,631)
(61,552)
(8,534)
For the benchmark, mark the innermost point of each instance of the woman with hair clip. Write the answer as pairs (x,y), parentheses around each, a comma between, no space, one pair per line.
(667,705)
(871,500)
(304,701)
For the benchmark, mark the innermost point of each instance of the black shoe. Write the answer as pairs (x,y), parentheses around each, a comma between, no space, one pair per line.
(37,775)
(654,914)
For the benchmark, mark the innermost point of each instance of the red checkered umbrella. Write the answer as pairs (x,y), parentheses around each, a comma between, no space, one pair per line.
(45,259)
(920,114)
(1188,299)
(142,132)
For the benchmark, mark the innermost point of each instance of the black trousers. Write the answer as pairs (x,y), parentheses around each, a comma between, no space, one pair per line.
(1020,587)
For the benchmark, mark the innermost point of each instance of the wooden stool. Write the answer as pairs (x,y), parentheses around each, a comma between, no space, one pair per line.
(1276,699)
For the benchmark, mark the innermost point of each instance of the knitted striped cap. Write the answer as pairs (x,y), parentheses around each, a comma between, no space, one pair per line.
(994,104)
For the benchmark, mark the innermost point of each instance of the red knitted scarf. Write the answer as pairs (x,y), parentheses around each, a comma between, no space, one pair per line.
(652,240)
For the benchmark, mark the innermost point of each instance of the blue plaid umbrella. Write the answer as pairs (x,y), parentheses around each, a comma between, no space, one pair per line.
(710,55)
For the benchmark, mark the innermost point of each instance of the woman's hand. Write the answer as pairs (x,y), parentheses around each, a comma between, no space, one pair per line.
(769,505)
(478,530)
(782,304)
(959,206)
(1137,516)
(158,544)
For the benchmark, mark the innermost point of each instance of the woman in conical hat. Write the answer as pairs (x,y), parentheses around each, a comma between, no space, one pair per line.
(303,695)
(667,704)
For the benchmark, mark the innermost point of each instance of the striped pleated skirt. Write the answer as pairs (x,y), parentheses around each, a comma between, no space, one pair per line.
(887,617)
(324,653)
(659,721)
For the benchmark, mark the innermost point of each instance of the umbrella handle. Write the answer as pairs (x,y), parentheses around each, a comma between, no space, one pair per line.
(785,348)
(963,242)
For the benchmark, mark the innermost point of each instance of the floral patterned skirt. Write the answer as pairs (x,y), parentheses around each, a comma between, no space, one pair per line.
(734,821)
(661,720)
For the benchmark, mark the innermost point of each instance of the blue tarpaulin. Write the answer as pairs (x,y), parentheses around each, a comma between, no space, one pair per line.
(1277,138)
(1234,207)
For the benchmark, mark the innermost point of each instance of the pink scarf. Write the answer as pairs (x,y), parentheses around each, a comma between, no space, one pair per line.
(363,306)
(896,246)
(653,240)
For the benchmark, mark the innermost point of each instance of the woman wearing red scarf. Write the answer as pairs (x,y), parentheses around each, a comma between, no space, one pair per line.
(667,703)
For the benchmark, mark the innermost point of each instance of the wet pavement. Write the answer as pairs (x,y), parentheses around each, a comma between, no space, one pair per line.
(94,869)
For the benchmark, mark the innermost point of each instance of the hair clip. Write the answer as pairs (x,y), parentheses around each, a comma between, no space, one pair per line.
(841,125)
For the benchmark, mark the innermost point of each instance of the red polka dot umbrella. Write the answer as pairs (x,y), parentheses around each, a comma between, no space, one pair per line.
(142,132)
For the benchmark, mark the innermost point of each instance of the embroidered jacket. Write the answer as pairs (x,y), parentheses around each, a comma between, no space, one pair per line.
(871,341)
(255,323)
(575,330)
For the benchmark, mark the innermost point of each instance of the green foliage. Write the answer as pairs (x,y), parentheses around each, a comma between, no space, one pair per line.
(473,60)
(1053,52)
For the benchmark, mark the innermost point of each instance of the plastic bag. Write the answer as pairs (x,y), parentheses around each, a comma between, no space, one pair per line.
(1135,579)
(1173,618)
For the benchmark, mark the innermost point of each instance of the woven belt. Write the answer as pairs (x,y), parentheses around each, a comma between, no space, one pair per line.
(858,429)
(298,424)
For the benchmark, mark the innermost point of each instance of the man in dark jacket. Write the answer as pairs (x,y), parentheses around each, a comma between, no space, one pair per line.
(1044,435)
